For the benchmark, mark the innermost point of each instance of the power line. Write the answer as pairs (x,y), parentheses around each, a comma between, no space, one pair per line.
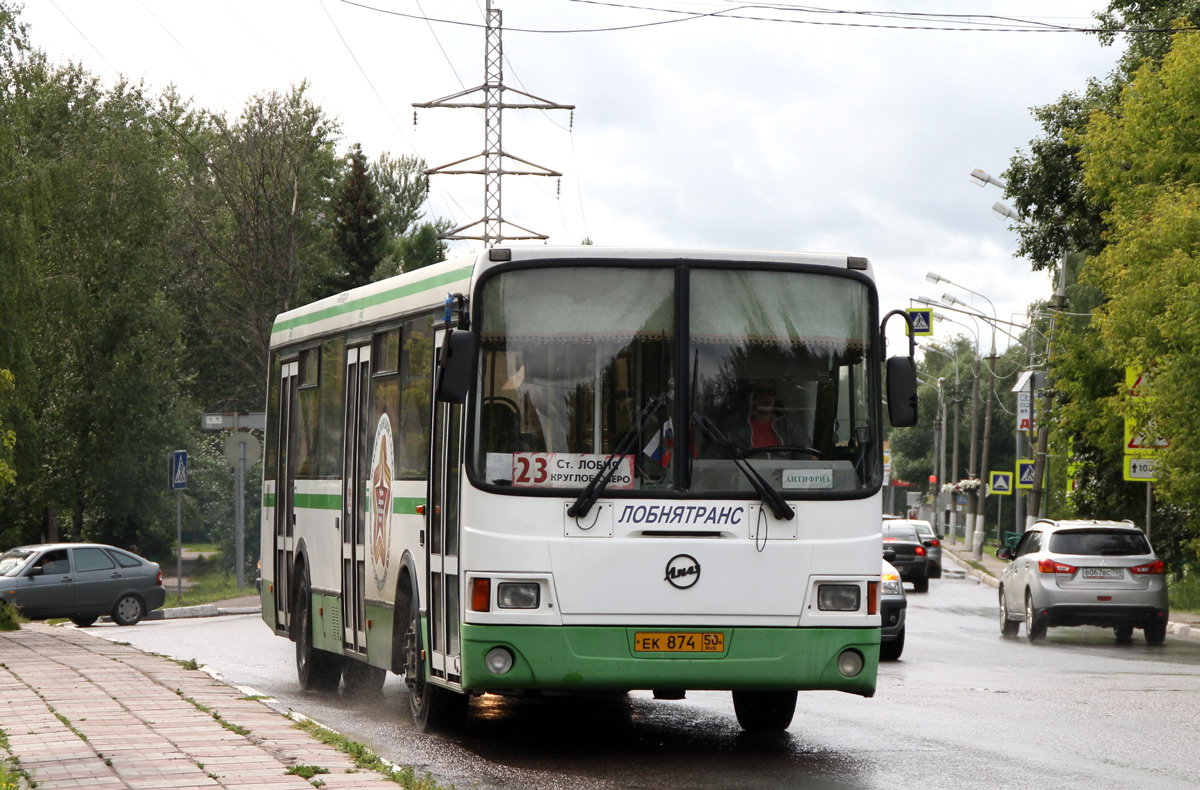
(955,23)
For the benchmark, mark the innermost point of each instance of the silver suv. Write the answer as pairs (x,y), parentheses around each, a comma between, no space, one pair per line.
(1101,573)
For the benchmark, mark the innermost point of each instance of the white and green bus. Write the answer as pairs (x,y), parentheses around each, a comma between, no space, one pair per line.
(543,469)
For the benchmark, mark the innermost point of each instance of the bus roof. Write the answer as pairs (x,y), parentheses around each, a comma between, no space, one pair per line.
(428,286)
(373,302)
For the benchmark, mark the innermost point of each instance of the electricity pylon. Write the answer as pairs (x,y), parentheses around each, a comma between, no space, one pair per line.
(493,156)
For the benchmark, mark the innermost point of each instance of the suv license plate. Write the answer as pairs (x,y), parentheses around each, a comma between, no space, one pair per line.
(674,642)
(1104,573)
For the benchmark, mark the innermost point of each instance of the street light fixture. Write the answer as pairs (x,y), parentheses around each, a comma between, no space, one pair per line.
(982,178)
(1002,211)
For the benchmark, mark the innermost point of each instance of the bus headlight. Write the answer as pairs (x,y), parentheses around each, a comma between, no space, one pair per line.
(498,660)
(838,597)
(518,595)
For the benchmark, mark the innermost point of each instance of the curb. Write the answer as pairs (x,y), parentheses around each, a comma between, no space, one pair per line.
(203,610)
(966,565)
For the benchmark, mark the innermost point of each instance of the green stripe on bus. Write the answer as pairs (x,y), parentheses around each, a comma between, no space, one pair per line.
(319,501)
(407,506)
(375,299)
(401,506)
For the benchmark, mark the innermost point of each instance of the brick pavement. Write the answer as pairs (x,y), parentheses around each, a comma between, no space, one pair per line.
(81,712)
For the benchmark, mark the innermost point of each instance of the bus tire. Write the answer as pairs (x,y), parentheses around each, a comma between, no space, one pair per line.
(316,669)
(764,711)
(434,709)
(362,679)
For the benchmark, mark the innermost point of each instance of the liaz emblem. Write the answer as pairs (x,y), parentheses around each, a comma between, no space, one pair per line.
(683,570)
(382,464)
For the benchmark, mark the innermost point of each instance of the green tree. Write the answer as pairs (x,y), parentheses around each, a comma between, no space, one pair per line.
(359,231)
(402,185)
(1139,159)
(95,337)
(8,437)
(257,240)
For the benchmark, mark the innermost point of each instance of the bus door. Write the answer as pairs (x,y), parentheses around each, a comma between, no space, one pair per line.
(285,494)
(442,515)
(355,497)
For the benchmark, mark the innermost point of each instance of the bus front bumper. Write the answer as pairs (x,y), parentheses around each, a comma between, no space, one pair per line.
(598,658)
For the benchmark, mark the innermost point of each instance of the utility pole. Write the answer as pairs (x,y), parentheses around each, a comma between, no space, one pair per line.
(957,399)
(972,469)
(490,229)
(1036,502)
(980,518)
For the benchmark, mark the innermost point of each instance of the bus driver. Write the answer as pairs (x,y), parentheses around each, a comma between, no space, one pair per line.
(765,424)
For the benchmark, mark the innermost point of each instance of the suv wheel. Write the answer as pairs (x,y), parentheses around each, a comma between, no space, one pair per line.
(1008,626)
(1035,624)
(1155,633)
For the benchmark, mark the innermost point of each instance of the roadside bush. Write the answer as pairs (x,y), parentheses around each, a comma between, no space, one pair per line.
(10,618)
(1184,589)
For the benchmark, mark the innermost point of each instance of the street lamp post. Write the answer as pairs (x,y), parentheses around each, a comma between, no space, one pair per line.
(1039,458)
(972,469)
(975,541)
(948,525)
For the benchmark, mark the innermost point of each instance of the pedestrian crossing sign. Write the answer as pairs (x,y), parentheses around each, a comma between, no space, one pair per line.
(1025,474)
(1000,483)
(177,463)
(922,321)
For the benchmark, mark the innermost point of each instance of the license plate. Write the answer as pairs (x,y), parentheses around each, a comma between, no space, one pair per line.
(674,642)
(1104,573)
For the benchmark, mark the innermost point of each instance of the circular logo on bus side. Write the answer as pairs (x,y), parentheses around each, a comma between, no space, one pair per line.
(383,461)
(683,571)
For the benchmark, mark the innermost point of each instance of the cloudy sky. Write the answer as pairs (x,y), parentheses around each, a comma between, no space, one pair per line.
(756,126)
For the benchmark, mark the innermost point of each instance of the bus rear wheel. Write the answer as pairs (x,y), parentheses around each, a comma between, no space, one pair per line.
(434,709)
(764,711)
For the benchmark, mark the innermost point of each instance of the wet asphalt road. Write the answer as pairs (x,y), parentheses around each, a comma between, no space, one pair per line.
(963,708)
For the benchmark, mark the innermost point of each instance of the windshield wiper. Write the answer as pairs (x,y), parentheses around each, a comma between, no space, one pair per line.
(596,485)
(766,492)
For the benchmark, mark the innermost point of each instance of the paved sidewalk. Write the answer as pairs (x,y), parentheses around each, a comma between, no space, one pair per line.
(82,712)
(1184,625)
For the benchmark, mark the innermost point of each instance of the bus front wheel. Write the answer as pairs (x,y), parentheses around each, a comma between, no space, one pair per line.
(434,709)
(316,669)
(764,711)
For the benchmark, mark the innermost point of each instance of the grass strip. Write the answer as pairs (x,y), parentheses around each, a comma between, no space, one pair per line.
(367,760)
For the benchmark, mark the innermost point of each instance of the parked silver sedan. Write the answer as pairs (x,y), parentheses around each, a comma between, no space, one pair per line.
(80,581)
(1101,573)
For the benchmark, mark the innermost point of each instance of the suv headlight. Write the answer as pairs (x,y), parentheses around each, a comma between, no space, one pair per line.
(892,584)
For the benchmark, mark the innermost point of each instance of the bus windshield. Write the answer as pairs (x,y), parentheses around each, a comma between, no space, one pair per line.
(579,363)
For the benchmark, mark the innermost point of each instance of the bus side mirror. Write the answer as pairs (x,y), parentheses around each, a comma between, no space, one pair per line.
(456,372)
(902,391)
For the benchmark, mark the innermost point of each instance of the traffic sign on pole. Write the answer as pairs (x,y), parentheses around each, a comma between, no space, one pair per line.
(1000,483)
(1141,468)
(1025,470)
(922,321)
(177,464)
